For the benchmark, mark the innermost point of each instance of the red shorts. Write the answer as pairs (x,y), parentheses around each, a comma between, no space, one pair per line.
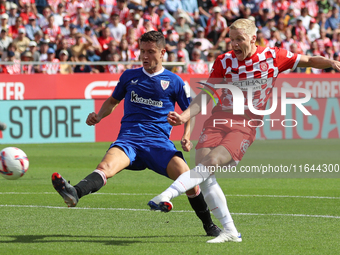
(230,131)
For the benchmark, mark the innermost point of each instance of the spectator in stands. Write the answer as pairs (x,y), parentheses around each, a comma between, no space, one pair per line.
(106,7)
(181,47)
(52,30)
(32,47)
(147,24)
(134,4)
(31,27)
(65,28)
(14,30)
(43,49)
(13,67)
(260,40)
(274,37)
(105,38)
(95,20)
(211,57)
(266,30)
(189,43)
(170,42)
(84,68)
(173,6)
(305,18)
(254,7)
(43,19)
(22,41)
(4,21)
(117,29)
(312,8)
(313,32)
(190,7)
(27,68)
(136,26)
(289,40)
(333,22)
(112,48)
(197,65)
(262,19)
(235,9)
(267,5)
(166,26)
(38,36)
(181,26)
(323,40)
(59,15)
(94,50)
(164,14)
(11,47)
(335,57)
(81,23)
(25,13)
(336,42)
(205,43)
(80,47)
(324,6)
(114,68)
(180,58)
(121,10)
(54,66)
(13,14)
(297,28)
(63,46)
(151,11)
(217,28)
(71,8)
(204,7)
(126,54)
(321,19)
(40,5)
(65,68)
(5,40)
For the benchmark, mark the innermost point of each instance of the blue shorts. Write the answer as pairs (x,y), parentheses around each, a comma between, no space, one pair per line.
(154,154)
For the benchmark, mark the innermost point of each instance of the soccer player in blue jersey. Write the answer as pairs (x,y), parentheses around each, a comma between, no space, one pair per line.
(143,142)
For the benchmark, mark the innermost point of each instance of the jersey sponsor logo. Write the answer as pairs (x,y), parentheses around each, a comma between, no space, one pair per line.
(140,100)
(264,66)
(165,84)
(255,83)
(244,146)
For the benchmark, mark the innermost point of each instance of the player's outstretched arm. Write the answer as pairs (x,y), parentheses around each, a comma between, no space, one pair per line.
(108,106)
(318,62)
(188,128)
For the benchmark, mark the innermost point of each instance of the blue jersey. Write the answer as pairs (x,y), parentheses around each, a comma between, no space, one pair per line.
(148,100)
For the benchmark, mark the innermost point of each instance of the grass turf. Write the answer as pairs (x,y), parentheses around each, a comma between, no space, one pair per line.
(274,215)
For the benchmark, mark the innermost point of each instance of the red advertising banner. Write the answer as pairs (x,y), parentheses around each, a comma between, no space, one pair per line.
(324,105)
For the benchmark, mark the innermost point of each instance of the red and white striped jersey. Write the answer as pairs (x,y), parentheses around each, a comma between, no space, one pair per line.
(221,24)
(51,68)
(257,72)
(52,32)
(115,68)
(12,68)
(123,14)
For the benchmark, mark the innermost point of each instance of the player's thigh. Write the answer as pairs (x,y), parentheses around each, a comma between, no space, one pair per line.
(114,161)
(218,156)
(200,154)
(176,167)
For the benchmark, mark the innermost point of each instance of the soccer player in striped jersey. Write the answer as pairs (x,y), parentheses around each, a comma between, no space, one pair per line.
(246,65)
(150,92)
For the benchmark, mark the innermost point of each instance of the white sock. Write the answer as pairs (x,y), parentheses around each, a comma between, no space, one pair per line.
(216,201)
(186,181)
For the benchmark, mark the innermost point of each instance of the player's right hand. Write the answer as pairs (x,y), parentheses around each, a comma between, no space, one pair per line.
(174,119)
(92,119)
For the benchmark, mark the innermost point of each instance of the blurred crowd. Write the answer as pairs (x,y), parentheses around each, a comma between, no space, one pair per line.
(71,36)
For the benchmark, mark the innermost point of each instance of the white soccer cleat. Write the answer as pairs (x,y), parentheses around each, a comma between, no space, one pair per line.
(160,203)
(226,237)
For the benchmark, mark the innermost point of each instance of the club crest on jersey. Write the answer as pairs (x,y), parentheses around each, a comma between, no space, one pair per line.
(264,66)
(244,146)
(165,84)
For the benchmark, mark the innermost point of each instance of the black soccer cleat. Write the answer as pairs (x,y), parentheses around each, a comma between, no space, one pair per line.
(212,230)
(66,190)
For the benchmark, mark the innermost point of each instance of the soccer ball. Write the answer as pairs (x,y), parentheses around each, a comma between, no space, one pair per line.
(13,164)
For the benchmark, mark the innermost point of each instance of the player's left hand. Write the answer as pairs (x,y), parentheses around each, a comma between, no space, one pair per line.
(336,65)
(186,144)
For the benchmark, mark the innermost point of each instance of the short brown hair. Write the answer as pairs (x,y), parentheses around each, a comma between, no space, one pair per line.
(154,36)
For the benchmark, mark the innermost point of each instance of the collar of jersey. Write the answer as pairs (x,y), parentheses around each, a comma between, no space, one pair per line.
(154,74)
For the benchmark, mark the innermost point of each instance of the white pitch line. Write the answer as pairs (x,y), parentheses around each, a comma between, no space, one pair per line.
(149,194)
(173,211)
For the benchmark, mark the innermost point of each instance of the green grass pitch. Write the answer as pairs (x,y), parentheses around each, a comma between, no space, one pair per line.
(274,215)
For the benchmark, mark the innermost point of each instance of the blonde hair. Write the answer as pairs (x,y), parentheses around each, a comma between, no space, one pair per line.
(247,25)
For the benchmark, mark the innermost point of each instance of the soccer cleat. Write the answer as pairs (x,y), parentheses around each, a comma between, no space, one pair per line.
(226,237)
(212,230)
(66,190)
(160,203)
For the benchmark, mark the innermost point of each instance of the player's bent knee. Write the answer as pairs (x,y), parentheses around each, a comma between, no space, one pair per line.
(107,169)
